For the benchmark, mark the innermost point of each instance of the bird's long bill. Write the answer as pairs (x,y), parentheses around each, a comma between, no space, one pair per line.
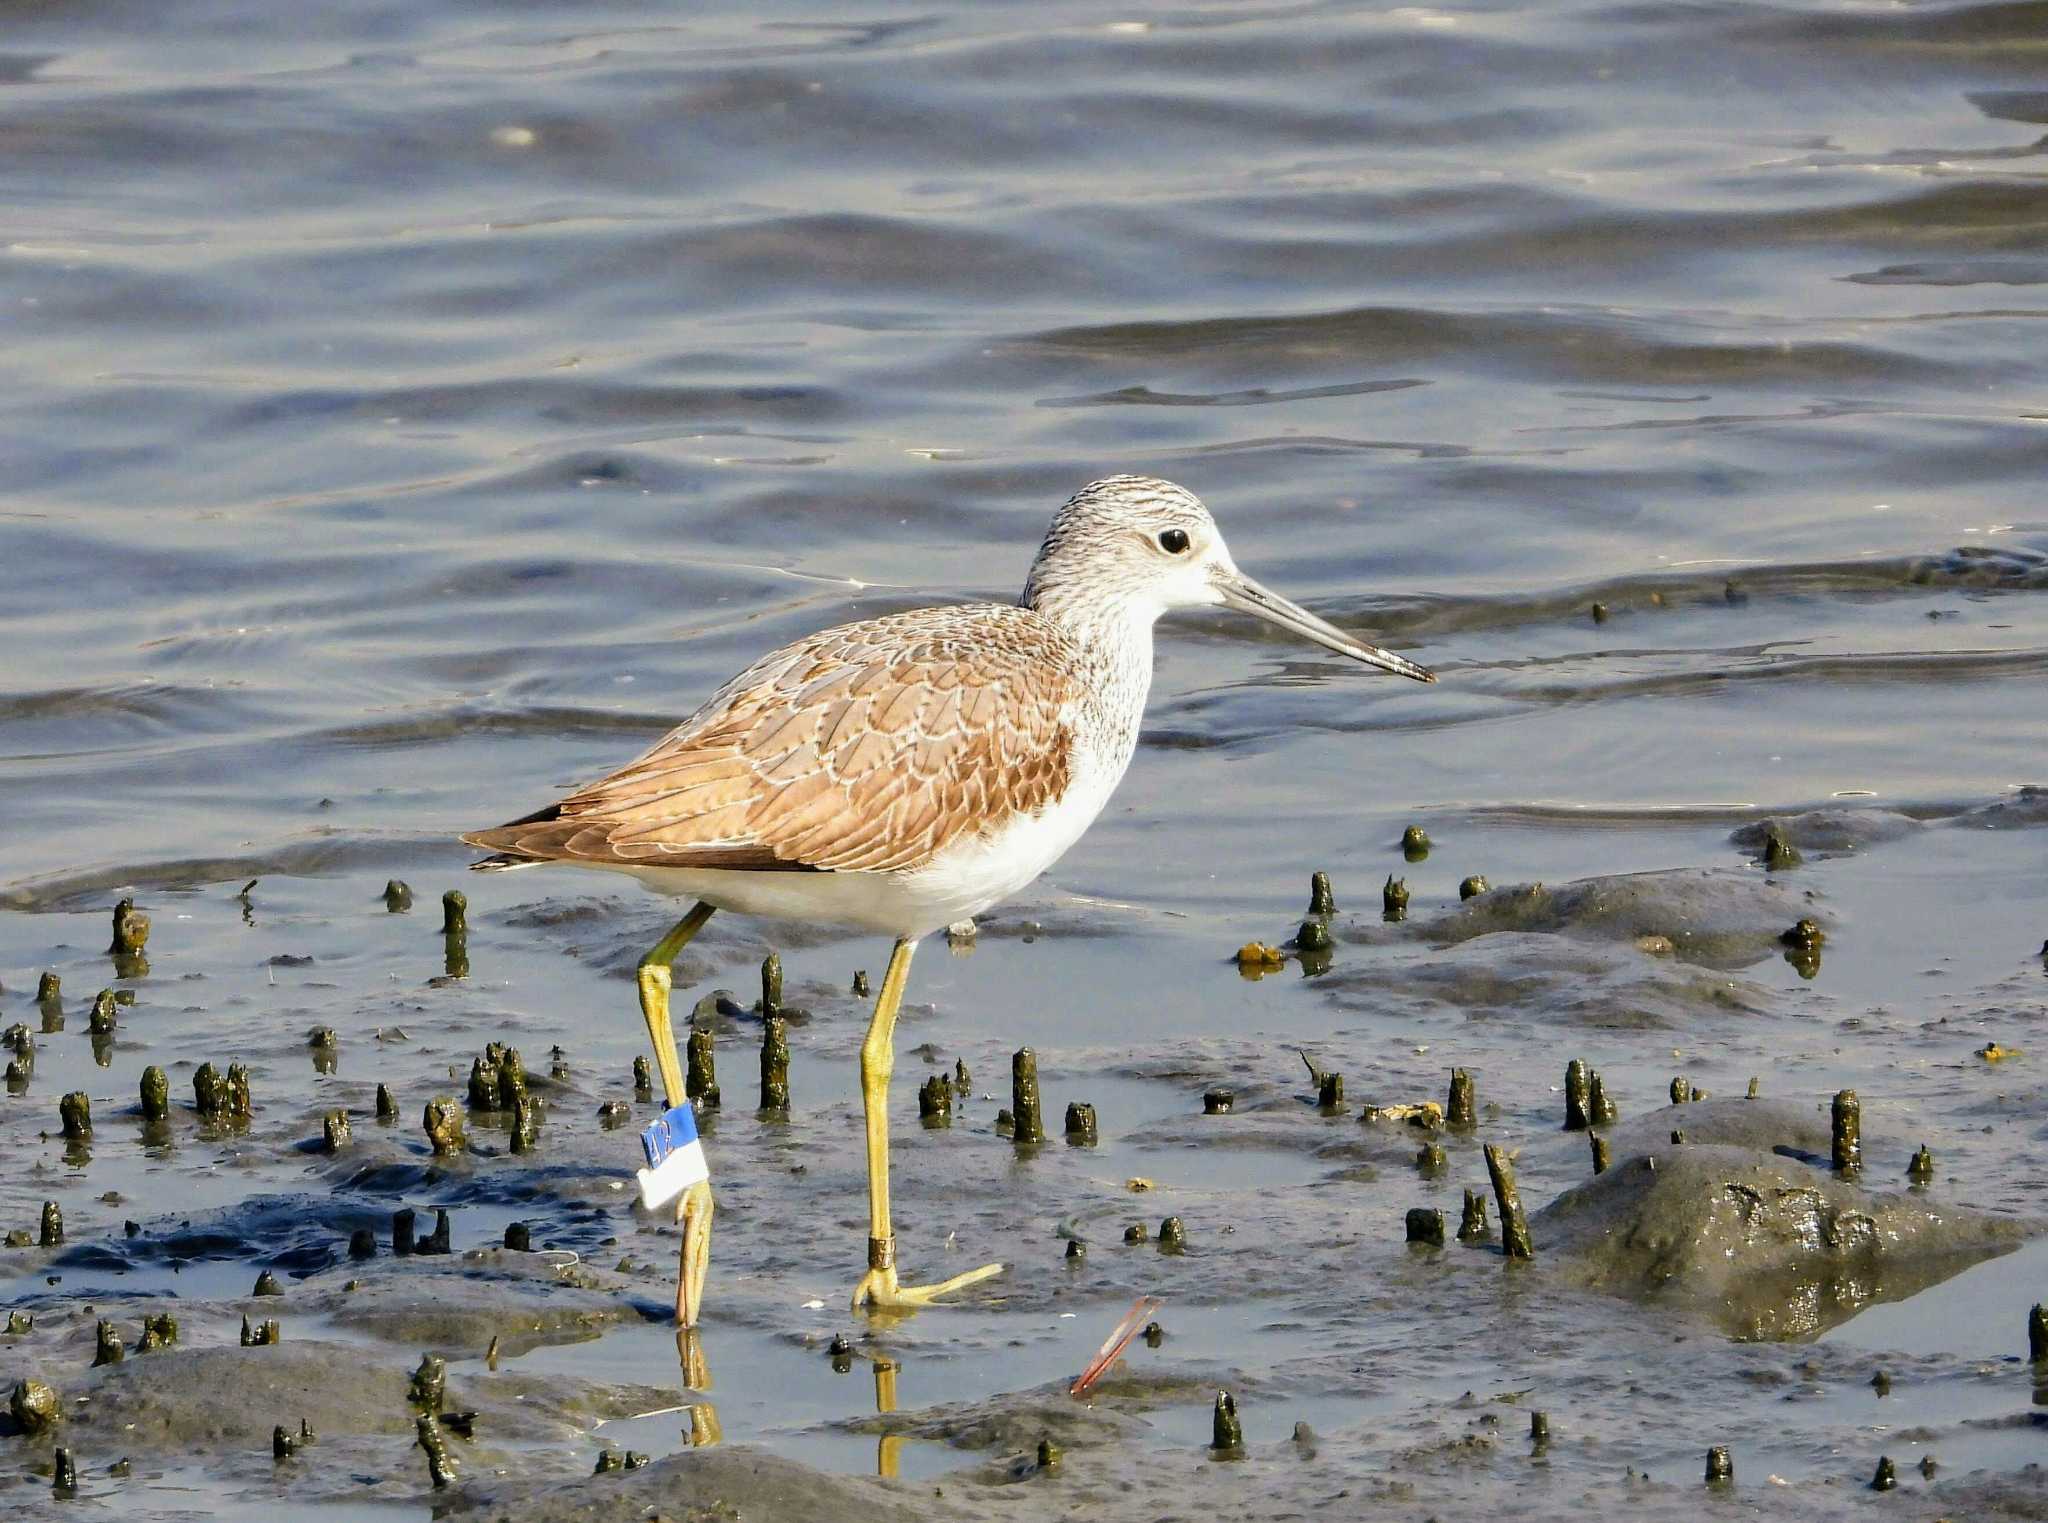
(1242,593)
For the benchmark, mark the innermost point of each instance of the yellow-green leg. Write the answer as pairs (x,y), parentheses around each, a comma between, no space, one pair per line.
(694,1209)
(878,1287)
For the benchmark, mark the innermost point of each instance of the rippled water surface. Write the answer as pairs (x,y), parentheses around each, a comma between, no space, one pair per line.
(409,411)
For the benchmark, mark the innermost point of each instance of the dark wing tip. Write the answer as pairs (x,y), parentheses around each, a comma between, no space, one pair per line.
(502,862)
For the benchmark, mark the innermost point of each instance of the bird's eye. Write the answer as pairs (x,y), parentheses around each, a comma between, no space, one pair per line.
(1173,541)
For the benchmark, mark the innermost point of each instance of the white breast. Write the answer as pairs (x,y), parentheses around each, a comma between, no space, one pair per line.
(977,871)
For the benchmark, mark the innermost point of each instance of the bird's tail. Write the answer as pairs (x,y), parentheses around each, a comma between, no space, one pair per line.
(503,862)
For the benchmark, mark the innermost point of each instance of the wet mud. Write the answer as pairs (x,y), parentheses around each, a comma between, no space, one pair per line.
(411,412)
(1279,1230)
(1768,1247)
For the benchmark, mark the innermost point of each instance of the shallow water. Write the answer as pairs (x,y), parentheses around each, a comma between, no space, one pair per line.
(409,411)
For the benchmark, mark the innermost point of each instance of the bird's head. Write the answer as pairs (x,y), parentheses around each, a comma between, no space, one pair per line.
(1142,546)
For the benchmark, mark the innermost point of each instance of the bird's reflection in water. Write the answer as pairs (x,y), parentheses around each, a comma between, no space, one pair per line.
(704,1428)
(696,1367)
(889,1447)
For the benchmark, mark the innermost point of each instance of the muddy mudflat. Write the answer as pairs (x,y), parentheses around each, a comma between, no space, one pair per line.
(411,412)
(1711,1284)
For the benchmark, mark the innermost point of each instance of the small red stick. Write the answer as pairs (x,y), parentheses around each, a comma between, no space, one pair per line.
(1119,1340)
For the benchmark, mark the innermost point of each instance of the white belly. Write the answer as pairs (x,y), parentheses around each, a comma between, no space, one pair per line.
(970,875)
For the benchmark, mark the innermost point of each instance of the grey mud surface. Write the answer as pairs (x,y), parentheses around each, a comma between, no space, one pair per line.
(1715,1289)
(410,410)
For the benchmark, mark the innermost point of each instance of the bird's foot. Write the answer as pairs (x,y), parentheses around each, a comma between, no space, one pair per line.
(878,1289)
(694,1266)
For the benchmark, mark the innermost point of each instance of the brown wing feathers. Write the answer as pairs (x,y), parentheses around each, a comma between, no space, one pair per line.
(866,748)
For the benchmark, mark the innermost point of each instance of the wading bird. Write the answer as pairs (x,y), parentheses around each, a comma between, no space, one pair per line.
(903,773)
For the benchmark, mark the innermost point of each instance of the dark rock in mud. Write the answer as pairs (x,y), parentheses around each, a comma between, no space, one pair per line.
(1765,1246)
(1718,917)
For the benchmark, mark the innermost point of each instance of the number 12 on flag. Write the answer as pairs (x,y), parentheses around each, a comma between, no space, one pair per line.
(675,1158)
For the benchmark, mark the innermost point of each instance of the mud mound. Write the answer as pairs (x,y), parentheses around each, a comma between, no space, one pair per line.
(1718,917)
(1763,1245)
